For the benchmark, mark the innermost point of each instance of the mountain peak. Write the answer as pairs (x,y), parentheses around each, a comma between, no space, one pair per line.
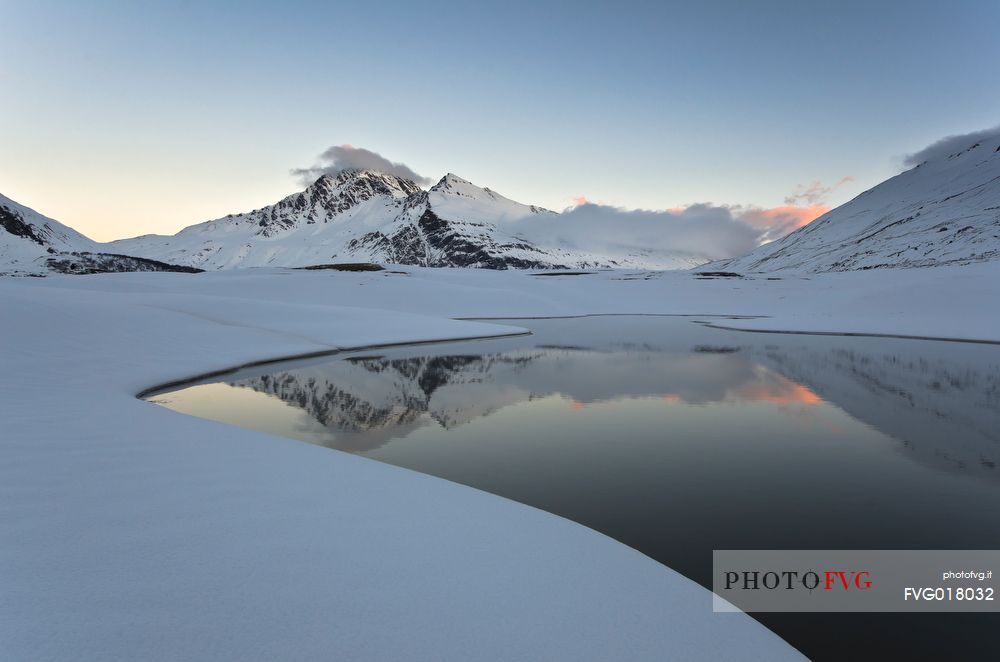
(451,180)
(357,179)
(350,175)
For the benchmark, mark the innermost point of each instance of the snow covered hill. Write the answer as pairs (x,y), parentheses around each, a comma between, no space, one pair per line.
(35,245)
(363,215)
(28,239)
(945,210)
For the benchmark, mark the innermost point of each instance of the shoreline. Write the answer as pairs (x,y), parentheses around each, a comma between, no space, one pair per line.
(142,533)
(169,386)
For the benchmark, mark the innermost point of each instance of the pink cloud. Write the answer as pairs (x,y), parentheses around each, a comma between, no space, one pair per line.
(815,192)
(776,222)
(791,215)
(713,231)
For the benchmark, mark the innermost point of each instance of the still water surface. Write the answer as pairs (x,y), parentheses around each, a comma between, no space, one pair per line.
(678,439)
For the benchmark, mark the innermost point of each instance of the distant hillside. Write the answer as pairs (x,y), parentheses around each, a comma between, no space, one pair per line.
(28,240)
(945,210)
(36,245)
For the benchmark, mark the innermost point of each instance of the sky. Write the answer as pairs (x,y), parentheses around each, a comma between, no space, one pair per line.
(123,118)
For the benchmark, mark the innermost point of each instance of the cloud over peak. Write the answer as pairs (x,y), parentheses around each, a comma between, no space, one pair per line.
(338,158)
(952,144)
(702,229)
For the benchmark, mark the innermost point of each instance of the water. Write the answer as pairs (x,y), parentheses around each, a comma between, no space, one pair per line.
(677,439)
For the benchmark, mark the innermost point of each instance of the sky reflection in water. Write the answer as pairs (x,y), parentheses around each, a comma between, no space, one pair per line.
(674,438)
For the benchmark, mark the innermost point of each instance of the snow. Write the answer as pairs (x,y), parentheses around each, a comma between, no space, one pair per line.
(372,216)
(949,302)
(133,532)
(21,255)
(454,198)
(307,228)
(954,302)
(943,211)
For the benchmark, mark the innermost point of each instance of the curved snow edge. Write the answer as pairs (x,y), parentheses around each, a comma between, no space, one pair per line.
(138,533)
(180,383)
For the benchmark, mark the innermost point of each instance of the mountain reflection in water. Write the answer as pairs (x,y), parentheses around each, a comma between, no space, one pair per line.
(678,439)
(938,402)
(368,400)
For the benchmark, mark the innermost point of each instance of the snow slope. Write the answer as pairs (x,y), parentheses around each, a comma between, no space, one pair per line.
(363,215)
(132,532)
(28,239)
(35,245)
(945,210)
(946,302)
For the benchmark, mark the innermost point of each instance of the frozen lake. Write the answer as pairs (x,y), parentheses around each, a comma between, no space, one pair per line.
(678,439)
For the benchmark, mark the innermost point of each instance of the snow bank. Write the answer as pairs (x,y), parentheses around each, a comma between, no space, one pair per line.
(132,532)
(957,302)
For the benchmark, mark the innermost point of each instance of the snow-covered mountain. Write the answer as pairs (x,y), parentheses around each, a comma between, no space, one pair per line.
(363,215)
(945,210)
(28,239)
(36,245)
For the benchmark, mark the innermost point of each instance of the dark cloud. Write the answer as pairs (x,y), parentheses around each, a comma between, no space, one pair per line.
(953,144)
(338,158)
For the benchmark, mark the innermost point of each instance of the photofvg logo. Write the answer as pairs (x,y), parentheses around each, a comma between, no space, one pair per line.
(790,580)
(854,580)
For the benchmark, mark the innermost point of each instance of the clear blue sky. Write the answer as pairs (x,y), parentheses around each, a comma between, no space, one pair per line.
(122,118)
